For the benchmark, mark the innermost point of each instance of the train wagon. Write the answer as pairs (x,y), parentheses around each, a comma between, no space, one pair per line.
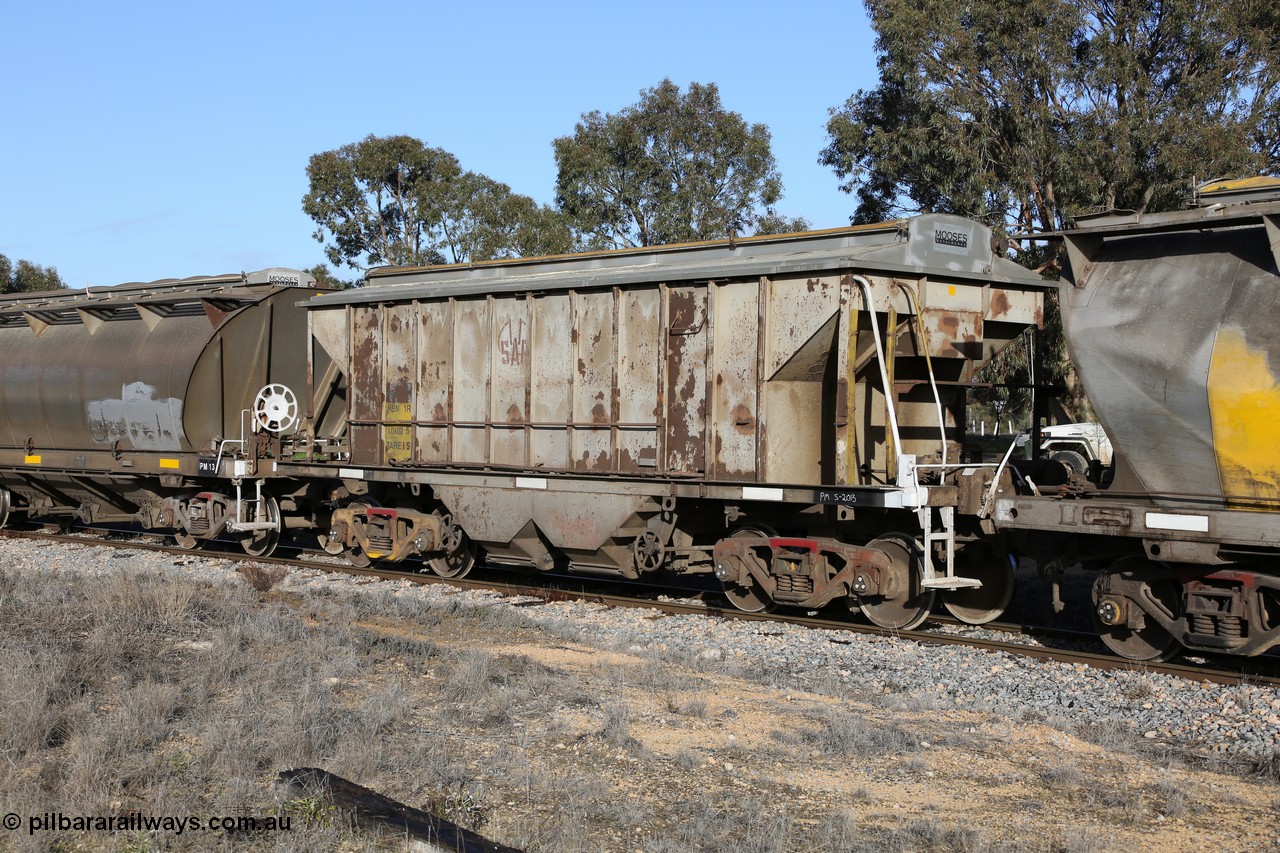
(157,404)
(785,412)
(1171,321)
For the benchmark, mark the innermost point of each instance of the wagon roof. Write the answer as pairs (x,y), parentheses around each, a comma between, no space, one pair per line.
(908,246)
(1222,204)
(239,286)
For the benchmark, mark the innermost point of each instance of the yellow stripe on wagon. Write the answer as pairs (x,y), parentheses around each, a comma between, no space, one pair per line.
(31,460)
(1244,407)
(170,463)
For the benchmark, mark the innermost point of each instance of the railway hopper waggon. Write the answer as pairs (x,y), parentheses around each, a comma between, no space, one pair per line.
(162,404)
(715,407)
(1172,322)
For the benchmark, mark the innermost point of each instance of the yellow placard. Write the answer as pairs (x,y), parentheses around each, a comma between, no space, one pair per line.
(170,463)
(397,441)
(31,460)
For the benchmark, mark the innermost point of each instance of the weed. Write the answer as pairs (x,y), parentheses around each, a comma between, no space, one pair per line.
(687,759)
(1063,775)
(1171,798)
(693,706)
(260,577)
(839,734)
(931,834)
(616,728)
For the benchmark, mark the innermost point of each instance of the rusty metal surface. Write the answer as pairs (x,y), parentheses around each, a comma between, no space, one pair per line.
(674,367)
(726,366)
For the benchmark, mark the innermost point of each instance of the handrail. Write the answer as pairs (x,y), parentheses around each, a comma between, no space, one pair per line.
(924,342)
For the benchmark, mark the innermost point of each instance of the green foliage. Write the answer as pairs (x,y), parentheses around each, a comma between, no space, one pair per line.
(27,277)
(773,223)
(673,168)
(1024,112)
(393,200)
(325,278)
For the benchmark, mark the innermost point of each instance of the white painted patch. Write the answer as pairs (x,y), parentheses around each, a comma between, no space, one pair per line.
(756,493)
(137,418)
(351,473)
(531,482)
(1169,521)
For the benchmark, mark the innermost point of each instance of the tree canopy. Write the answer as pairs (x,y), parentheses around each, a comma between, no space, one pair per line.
(26,277)
(393,200)
(672,168)
(1025,112)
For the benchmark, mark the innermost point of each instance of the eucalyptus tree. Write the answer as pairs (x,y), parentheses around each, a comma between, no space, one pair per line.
(674,167)
(394,200)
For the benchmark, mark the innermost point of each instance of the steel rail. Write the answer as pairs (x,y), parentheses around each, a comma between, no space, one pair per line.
(1095,660)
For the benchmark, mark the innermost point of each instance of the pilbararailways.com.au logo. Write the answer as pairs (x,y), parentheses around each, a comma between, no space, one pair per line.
(139,822)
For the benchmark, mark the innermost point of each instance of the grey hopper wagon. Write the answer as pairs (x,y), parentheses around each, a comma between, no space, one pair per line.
(1171,320)
(707,407)
(136,403)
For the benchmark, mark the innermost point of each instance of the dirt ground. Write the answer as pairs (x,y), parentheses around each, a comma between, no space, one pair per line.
(138,690)
(830,772)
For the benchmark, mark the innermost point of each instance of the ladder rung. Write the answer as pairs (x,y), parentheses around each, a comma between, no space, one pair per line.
(951,583)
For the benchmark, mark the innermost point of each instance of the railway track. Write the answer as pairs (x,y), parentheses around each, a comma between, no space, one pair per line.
(559,588)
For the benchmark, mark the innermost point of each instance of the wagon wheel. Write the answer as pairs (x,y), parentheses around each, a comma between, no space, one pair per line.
(750,598)
(261,543)
(459,551)
(1150,642)
(902,604)
(983,604)
(5,505)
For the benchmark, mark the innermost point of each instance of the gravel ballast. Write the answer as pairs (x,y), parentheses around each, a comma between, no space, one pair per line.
(1241,721)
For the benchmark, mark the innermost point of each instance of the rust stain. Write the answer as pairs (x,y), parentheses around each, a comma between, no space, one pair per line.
(682,310)
(438,413)
(744,421)
(949,325)
(599,415)
(582,367)
(513,414)
(999,303)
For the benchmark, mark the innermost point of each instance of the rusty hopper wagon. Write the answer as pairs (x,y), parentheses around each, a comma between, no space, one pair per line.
(153,403)
(713,407)
(1172,323)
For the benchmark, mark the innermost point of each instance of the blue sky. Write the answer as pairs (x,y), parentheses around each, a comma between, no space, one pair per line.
(156,140)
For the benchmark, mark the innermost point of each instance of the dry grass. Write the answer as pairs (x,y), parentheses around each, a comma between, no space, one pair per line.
(262,578)
(143,692)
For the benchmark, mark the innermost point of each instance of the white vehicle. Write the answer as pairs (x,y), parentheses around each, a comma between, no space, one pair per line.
(1076,445)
